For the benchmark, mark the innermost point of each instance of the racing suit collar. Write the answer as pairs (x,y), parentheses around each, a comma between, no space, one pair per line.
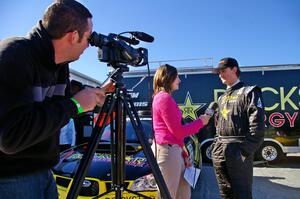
(237,85)
(237,81)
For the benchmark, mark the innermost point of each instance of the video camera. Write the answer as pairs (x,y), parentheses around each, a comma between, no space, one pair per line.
(115,48)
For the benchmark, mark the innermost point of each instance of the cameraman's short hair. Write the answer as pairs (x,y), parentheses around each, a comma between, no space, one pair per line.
(65,16)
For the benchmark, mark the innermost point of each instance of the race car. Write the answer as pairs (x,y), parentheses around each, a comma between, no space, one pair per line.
(98,179)
(138,174)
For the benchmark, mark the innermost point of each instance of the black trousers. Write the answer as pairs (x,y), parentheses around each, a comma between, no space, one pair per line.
(234,172)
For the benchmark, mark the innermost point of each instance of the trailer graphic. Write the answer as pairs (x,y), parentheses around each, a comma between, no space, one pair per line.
(199,87)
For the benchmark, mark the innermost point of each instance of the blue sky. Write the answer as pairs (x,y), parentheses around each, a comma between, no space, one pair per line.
(255,32)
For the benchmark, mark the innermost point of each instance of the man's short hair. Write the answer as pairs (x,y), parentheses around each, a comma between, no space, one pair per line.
(65,16)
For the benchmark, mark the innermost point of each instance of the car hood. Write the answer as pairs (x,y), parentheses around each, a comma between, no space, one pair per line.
(136,164)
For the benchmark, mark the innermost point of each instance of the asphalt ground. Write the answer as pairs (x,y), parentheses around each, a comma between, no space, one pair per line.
(270,181)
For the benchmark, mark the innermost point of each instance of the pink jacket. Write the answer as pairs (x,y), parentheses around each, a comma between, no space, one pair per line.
(167,121)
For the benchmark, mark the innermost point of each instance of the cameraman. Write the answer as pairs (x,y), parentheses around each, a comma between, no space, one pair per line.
(34,72)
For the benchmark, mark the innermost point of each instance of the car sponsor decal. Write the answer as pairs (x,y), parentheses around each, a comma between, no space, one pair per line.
(99,157)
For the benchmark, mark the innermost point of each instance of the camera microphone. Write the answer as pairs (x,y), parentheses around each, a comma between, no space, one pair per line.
(211,109)
(143,36)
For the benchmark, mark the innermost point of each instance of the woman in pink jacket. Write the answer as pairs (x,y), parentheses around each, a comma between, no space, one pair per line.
(169,132)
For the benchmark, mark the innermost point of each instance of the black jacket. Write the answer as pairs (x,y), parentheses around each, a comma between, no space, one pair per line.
(32,104)
(241,113)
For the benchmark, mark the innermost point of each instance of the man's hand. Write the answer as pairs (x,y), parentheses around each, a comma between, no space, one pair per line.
(90,97)
(108,86)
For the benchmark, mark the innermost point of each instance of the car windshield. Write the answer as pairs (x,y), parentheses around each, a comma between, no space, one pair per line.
(131,136)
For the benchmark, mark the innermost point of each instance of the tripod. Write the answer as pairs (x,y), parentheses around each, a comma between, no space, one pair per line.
(121,103)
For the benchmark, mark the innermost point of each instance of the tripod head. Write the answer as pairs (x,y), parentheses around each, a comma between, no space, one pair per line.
(115,78)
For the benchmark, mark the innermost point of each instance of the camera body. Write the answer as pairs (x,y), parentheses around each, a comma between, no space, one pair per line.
(115,51)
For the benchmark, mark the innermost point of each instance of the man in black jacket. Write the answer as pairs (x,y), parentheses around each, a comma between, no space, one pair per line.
(34,73)
(240,132)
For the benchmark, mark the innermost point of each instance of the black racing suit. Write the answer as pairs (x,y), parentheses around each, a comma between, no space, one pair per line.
(240,132)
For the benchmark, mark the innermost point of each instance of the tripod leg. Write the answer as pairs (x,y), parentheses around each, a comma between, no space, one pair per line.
(113,152)
(120,143)
(92,145)
(137,125)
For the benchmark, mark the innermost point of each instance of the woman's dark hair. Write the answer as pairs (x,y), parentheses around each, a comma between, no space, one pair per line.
(65,16)
(163,78)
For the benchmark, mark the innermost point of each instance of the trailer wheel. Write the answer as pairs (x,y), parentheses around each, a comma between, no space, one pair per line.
(206,152)
(270,152)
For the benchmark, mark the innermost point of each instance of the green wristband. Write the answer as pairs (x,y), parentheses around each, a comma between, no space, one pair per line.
(79,107)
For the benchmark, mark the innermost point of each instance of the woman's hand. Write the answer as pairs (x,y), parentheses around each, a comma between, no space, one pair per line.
(188,162)
(205,118)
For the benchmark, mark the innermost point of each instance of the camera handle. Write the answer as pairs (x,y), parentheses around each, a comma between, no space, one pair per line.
(122,103)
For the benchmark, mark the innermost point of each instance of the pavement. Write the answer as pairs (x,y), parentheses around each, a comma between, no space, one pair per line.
(276,181)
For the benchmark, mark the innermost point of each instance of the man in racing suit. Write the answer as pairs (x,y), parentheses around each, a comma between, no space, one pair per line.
(240,132)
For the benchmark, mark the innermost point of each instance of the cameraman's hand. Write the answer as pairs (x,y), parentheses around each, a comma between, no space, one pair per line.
(108,86)
(205,118)
(90,97)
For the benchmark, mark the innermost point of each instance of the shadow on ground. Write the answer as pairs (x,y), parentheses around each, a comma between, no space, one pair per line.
(265,181)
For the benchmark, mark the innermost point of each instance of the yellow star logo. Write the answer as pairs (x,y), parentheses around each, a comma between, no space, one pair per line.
(224,113)
(190,109)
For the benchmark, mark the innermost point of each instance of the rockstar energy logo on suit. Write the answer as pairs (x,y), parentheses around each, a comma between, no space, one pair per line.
(229,99)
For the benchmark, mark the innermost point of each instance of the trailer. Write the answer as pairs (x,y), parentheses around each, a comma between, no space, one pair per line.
(199,87)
